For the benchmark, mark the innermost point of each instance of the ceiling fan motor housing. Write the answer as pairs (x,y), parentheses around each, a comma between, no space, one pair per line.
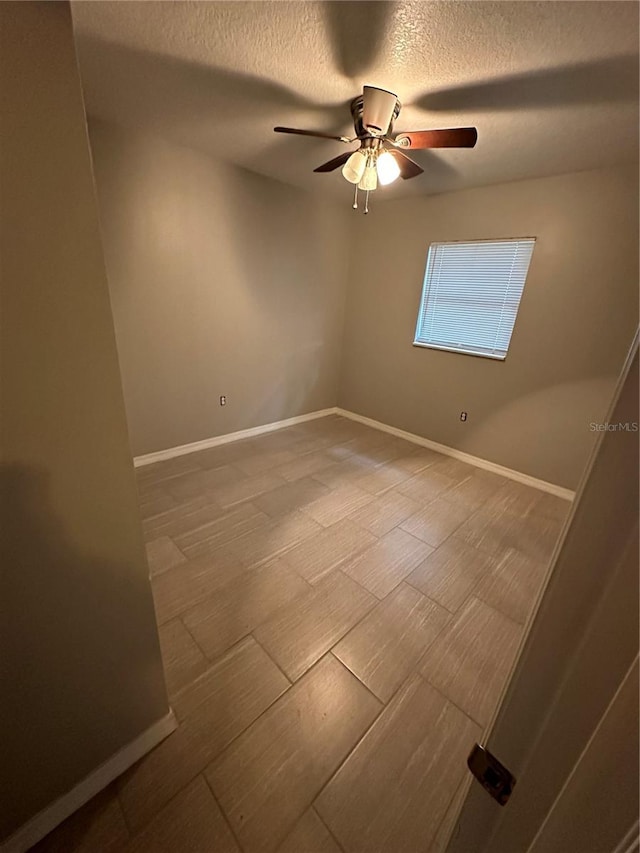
(374,111)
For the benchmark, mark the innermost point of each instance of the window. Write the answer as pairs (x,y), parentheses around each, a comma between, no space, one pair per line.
(471,295)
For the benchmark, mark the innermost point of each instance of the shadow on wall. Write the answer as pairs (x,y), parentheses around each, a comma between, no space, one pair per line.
(291,284)
(61,607)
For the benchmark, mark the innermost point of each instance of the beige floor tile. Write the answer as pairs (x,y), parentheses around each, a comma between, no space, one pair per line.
(154,501)
(385,646)
(214,710)
(258,463)
(298,634)
(394,789)
(499,532)
(182,518)
(270,775)
(291,497)
(384,513)
(425,486)
(269,607)
(417,459)
(382,478)
(388,561)
(453,468)
(320,554)
(381,453)
(186,585)
(237,608)
(309,835)
(324,425)
(232,524)
(472,657)
(309,443)
(513,497)
(450,573)
(191,822)
(337,504)
(372,445)
(161,471)
(273,442)
(340,453)
(550,506)
(223,454)
(245,490)
(448,822)
(436,521)
(474,490)
(491,532)
(97,827)
(183,660)
(196,483)
(227,683)
(304,465)
(275,537)
(287,437)
(163,554)
(512,585)
(342,473)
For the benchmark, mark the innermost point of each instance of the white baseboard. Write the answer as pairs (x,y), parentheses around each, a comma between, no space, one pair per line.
(46,820)
(205,444)
(518,476)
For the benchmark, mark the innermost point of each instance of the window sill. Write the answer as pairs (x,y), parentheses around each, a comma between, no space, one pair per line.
(460,351)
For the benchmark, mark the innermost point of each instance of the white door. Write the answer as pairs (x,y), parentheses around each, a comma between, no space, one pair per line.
(581,650)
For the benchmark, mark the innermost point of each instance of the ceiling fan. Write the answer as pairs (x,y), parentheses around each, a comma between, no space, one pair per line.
(380,158)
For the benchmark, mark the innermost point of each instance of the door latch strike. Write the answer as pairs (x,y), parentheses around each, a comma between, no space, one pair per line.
(494,777)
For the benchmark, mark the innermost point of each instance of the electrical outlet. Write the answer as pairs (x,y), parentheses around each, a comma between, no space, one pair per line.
(223,401)
(463,416)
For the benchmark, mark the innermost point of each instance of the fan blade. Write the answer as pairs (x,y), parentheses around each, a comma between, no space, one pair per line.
(312,133)
(377,109)
(456,137)
(330,165)
(408,167)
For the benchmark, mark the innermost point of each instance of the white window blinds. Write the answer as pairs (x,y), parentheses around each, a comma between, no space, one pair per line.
(471,295)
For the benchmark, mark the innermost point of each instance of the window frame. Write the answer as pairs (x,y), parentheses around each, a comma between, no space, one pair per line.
(426,285)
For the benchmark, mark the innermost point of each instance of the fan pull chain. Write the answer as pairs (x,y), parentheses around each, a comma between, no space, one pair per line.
(366,202)
(355,199)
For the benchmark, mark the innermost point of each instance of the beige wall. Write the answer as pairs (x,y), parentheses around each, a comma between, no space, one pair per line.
(81,668)
(577,318)
(222,282)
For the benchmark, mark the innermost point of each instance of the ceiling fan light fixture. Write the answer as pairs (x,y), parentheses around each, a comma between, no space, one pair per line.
(388,169)
(369,180)
(353,169)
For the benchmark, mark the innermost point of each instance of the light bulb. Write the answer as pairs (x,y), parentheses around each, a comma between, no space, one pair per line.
(354,168)
(388,169)
(369,180)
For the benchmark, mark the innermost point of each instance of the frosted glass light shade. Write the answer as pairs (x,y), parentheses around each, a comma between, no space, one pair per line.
(369,179)
(354,168)
(388,169)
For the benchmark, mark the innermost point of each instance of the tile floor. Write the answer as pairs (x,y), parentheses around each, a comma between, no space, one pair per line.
(338,611)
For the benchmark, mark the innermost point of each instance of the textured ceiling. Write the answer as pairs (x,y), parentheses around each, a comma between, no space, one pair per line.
(551,86)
